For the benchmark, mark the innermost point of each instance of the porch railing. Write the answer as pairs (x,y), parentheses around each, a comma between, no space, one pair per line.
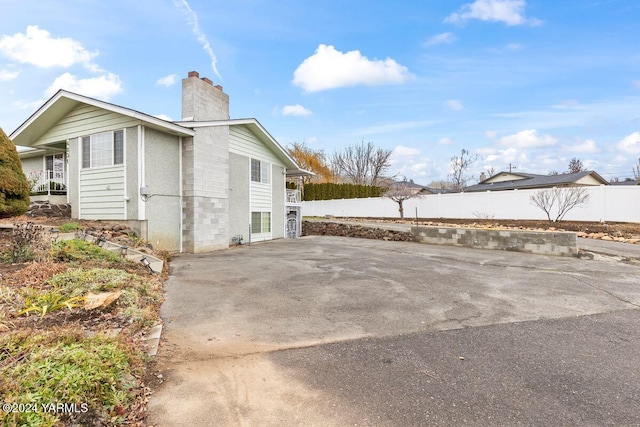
(47,182)
(293,196)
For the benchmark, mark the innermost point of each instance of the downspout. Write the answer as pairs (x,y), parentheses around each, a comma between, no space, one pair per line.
(180,192)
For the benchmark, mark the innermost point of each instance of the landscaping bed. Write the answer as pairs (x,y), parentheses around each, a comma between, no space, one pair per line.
(73,325)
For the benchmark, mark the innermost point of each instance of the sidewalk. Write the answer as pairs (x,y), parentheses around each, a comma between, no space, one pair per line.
(604,247)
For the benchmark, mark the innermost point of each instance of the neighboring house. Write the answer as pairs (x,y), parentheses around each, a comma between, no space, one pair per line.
(626,182)
(417,188)
(511,181)
(194,185)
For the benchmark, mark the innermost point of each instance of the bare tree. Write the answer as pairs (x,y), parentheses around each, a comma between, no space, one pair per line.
(490,171)
(401,191)
(575,165)
(459,166)
(636,170)
(363,164)
(559,200)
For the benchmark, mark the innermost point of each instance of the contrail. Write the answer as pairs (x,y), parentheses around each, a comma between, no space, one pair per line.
(192,20)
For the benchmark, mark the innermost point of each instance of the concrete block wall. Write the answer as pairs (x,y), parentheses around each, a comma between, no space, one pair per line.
(537,242)
(205,162)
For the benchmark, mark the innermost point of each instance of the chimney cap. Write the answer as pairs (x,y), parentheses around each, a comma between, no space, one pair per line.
(194,74)
(219,87)
(207,80)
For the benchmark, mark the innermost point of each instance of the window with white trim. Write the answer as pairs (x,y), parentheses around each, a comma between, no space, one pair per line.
(260,171)
(260,222)
(103,149)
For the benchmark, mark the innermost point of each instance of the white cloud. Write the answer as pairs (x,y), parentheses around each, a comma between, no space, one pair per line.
(329,68)
(511,12)
(393,127)
(6,75)
(630,143)
(167,81)
(102,87)
(491,134)
(402,151)
(586,146)
(37,47)
(454,104)
(445,141)
(295,110)
(442,38)
(192,20)
(528,139)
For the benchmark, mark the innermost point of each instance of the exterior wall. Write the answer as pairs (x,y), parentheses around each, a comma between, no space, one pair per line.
(84,120)
(588,180)
(239,205)
(102,193)
(131,172)
(606,203)
(505,177)
(205,203)
(278,198)
(161,175)
(32,165)
(73,189)
(263,197)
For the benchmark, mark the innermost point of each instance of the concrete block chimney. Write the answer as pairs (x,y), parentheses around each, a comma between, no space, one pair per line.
(202,101)
(205,166)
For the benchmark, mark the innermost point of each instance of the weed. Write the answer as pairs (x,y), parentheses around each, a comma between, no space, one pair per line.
(50,301)
(69,227)
(27,244)
(79,250)
(64,366)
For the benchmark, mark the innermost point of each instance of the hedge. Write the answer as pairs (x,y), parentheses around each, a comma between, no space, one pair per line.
(329,191)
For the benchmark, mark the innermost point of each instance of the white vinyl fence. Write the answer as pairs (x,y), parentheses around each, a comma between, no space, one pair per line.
(606,203)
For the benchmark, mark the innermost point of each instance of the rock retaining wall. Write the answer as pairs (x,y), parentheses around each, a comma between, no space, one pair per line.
(537,242)
(348,230)
(46,209)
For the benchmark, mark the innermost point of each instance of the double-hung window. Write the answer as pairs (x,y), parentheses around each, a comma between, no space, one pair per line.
(260,171)
(103,149)
(260,222)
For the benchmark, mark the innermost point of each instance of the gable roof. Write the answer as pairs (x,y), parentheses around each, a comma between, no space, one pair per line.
(529,180)
(265,137)
(63,102)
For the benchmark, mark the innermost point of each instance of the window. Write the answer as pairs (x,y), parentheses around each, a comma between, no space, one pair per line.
(103,149)
(260,171)
(260,222)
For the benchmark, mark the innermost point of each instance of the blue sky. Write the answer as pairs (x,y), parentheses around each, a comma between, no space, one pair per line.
(528,83)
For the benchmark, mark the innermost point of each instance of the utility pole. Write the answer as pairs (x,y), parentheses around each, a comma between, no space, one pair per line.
(511,167)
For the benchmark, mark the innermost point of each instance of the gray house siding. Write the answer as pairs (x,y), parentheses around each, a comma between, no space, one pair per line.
(239,214)
(73,192)
(131,172)
(162,177)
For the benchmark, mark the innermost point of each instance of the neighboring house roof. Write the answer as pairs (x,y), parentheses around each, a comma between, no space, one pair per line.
(627,182)
(510,181)
(63,102)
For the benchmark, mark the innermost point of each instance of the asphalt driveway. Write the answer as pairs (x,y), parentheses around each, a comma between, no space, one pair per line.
(340,331)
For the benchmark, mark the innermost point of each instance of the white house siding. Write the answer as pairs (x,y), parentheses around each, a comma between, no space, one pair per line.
(102,193)
(85,120)
(262,197)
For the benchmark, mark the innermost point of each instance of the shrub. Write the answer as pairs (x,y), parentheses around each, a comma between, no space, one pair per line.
(14,187)
(80,250)
(68,227)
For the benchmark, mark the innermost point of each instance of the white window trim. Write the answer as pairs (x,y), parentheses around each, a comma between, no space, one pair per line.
(112,137)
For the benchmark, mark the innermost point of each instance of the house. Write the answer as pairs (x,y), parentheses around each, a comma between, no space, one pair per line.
(193,185)
(511,181)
